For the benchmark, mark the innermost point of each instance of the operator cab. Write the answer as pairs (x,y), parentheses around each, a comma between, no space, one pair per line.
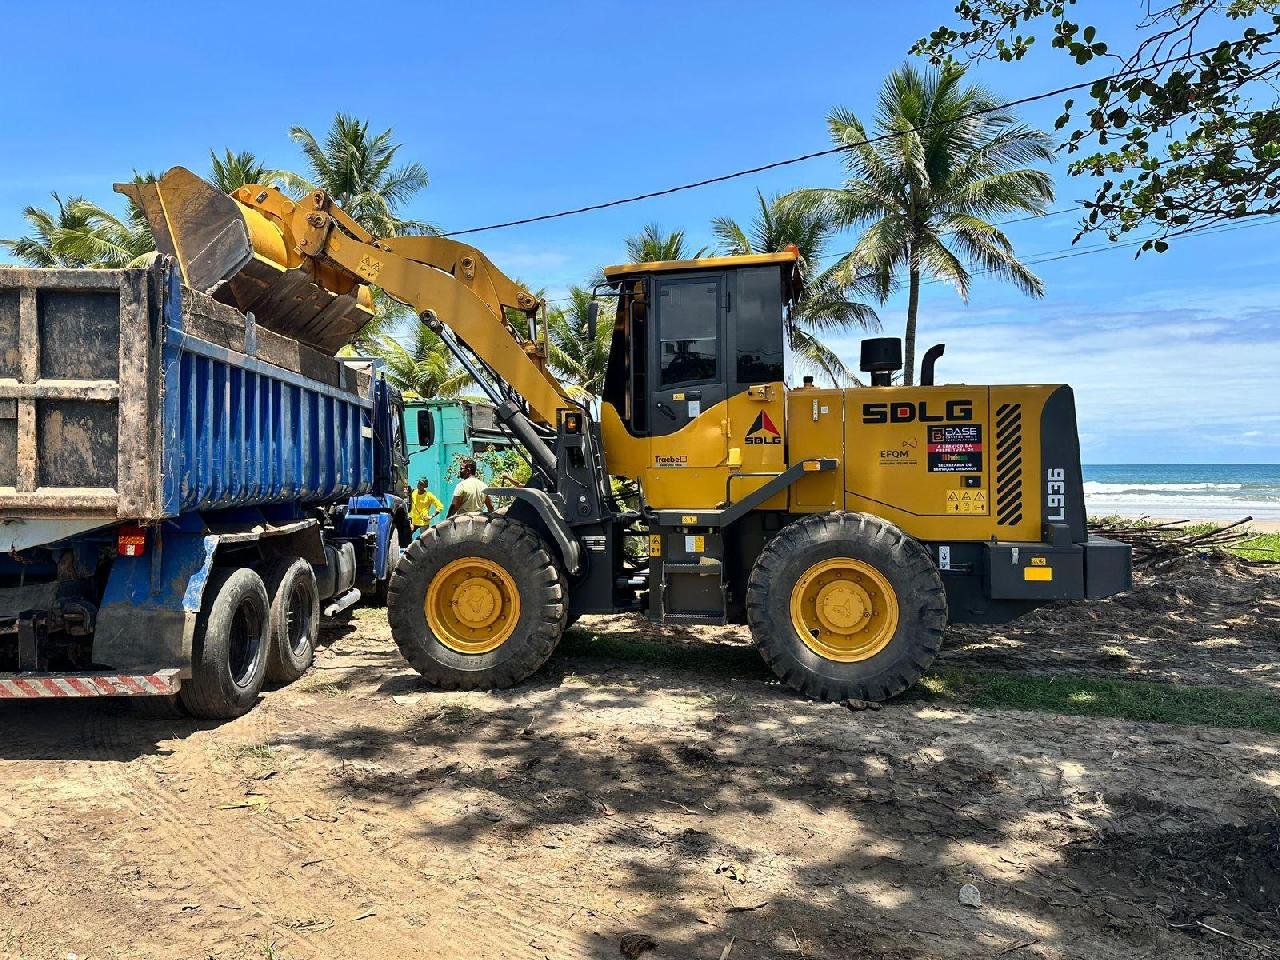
(689,334)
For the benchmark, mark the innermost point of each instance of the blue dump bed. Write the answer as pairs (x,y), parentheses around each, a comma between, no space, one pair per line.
(125,396)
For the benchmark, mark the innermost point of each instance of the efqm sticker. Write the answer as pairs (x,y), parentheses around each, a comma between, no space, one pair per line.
(955,448)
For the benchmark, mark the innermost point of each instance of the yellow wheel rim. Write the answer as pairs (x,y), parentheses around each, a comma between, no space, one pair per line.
(472,605)
(844,609)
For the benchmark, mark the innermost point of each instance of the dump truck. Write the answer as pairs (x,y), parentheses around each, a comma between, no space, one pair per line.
(845,527)
(183,493)
(439,433)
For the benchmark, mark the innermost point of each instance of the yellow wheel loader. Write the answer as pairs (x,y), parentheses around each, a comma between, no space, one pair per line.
(846,527)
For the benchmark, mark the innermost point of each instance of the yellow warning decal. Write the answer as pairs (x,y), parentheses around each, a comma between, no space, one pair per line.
(1037,573)
(689,518)
(677,396)
(966,501)
(695,544)
(369,268)
(655,544)
(1039,561)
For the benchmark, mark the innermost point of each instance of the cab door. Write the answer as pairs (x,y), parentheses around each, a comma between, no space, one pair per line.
(688,360)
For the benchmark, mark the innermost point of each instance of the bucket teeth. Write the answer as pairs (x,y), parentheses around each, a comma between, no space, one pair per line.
(206,231)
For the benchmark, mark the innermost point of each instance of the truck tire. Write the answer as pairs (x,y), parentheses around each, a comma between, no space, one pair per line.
(230,649)
(294,618)
(477,603)
(845,606)
(393,560)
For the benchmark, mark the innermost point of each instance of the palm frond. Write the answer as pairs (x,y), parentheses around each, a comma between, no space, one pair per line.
(357,168)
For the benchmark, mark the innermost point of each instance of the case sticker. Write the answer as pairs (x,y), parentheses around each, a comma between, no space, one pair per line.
(695,544)
(955,448)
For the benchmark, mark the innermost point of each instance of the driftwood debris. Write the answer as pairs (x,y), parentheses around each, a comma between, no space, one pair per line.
(1159,545)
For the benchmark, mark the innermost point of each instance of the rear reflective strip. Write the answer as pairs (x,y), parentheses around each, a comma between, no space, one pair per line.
(35,687)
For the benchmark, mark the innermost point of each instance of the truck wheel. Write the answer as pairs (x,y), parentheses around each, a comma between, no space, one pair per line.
(232,638)
(477,603)
(294,618)
(845,606)
(393,560)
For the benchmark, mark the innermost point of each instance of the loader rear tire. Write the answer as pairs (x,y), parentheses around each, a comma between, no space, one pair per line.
(477,603)
(229,654)
(845,606)
(294,617)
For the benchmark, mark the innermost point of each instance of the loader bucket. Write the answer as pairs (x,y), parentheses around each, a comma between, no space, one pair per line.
(243,258)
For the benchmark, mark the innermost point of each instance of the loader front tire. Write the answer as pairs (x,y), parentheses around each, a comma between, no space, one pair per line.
(477,603)
(845,606)
(229,654)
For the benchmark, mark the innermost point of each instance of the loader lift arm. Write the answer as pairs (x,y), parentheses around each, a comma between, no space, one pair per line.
(300,266)
(430,274)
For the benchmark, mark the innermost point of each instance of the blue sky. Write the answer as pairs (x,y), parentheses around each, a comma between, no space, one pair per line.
(529,108)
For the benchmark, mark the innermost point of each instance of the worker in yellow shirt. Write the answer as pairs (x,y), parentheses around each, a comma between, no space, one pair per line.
(424,507)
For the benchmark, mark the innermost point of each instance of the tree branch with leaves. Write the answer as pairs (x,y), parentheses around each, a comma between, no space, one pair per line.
(1181,134)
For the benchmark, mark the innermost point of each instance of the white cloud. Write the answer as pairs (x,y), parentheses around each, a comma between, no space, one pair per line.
(1193,379)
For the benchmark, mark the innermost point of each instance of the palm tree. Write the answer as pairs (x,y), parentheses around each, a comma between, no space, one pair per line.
(232,171)
(951,159)
(44,245)
(652,243)
(578,360)
(830,304)
(81,234)
(356,169)
(423,367)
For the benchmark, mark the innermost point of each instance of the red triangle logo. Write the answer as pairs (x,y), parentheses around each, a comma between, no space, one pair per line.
(764,422)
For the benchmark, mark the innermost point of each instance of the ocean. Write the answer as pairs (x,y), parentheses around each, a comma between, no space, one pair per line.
(1184,491)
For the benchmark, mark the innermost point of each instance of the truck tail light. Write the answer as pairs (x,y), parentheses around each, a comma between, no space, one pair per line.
(131,541)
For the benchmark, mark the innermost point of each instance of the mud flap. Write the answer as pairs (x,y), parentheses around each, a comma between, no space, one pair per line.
(149,608)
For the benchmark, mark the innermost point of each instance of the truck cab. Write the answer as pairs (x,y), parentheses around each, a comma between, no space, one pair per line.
(441,432)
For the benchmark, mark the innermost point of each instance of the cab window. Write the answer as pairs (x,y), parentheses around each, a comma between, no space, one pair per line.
(688,344)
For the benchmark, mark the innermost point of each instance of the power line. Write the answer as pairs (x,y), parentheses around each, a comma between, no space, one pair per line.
(1069,253)
(1050,256)
(844,147)
(1000,223)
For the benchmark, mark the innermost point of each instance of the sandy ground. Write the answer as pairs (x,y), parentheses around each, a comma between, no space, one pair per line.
(1265,526)
(359,815)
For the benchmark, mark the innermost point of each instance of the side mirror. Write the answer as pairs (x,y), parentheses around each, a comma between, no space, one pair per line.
(593,320)
(426,429)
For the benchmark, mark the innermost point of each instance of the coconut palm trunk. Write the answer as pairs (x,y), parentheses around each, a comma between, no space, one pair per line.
(909,335)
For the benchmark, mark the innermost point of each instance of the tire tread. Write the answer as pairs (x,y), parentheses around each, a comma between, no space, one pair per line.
(520,550)
(923,604)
